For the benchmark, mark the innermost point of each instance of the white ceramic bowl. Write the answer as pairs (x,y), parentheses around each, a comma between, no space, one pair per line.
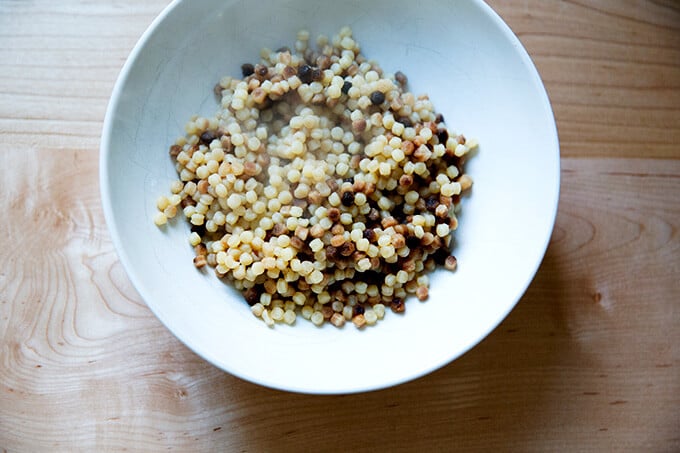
(476,73)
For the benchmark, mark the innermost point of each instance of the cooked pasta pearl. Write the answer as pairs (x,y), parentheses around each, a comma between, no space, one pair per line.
(296,203)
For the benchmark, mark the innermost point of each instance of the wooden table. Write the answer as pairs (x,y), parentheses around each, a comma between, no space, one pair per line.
(589,360)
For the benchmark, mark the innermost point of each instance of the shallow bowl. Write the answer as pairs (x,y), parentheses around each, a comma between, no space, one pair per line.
(478,76)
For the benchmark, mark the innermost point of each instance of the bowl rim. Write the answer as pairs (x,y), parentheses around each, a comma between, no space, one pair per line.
(107,204)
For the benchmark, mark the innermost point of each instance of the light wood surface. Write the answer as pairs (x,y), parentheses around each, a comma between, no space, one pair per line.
(588,361)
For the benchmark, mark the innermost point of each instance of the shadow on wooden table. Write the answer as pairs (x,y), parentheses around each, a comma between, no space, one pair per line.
(490,396)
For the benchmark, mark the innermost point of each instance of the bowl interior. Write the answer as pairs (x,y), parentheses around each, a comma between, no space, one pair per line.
(477,75)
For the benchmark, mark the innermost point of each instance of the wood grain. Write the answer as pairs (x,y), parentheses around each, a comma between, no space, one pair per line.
(612,71)
(588,361)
